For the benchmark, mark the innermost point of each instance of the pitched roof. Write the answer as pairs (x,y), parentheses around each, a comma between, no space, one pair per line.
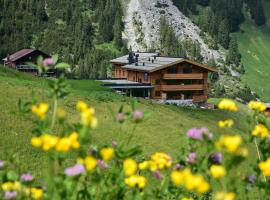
(150,62)
(19,54)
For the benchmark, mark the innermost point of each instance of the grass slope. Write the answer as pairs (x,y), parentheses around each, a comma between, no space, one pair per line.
(164,130)
(254,45)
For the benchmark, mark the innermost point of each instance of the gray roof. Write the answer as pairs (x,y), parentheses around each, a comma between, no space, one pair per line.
(142,56)
(146,65)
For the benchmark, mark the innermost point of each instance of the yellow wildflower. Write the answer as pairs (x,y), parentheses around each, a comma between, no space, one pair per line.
(226,123)
(90,163)
(36,141)
(227,104)
(40,110)
(61,113)
(160,161)
(224,196)
(144,165)
(229,143)
(11,186)
(186,198)
(261,131)
(256,105)
(130,167)
(136,181)
(107,153)
(81,106)
(48,141)
(36,193)
(203,187)
(74,140)
(177,178)
(217,171)
(264,166)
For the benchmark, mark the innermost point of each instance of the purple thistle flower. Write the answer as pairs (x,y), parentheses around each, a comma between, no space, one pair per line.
(102,165)
(251,179)
(177,166)
(137,115)
(75,170)
(27,177)
(216,158)
(10,195)
(2,163)
(47,62)
(157,175)
(120,117)
(191,159)
(195,134)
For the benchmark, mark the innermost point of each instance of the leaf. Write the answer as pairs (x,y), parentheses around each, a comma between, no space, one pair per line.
(133,105)
(12,176)
(55,58)
(62,66)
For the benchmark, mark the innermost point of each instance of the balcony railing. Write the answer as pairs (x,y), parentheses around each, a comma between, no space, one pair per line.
(182,76)
(193,87)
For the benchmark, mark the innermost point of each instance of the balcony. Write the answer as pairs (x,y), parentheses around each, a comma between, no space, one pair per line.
(194,87)
(183,76)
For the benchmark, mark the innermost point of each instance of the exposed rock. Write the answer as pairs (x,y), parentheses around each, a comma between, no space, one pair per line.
(150,18)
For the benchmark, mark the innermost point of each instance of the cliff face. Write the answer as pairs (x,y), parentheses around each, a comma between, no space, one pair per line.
(142,23)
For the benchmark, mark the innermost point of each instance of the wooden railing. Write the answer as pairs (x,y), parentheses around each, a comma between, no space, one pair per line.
(182,87)
(182,76)
(198,99)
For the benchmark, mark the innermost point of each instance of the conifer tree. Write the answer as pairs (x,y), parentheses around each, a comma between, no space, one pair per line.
(233,56)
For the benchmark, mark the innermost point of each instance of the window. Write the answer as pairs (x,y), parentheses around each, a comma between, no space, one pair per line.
(146,76)
(157,93)
(173,70)
(157,81)
(187,69)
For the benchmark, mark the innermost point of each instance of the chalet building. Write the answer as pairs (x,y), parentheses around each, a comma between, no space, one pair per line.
(21,59)
(161,78)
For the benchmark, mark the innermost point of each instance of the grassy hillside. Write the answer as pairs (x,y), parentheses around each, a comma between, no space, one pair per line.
(254,44)
(164,130)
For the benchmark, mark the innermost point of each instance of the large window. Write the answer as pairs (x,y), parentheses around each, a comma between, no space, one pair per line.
(172,70)
(187,69)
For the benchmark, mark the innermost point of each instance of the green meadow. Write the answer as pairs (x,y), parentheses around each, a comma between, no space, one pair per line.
(254,46)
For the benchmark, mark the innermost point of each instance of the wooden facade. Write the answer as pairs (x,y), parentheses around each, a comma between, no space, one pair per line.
(182,80)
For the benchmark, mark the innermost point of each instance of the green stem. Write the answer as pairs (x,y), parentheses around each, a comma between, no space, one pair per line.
(131,135)
(259,155)
(55,104)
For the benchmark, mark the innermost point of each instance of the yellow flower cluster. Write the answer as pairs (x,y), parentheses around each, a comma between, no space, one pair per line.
(217,171)
(36,193)
(89,162)
(230,143)
(158,161)
(40,110)
(256,105)
(136,181)
(227,104)
(264,166)
(11,186)
(226,123)
(186,198)
(130,167)
(260,131)
(190,181)
(224,196)
(87,114)
(48,142)
(107,153)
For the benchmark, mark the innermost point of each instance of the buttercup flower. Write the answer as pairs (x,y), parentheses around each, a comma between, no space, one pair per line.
(107,153)
(264,166)
(256,105)
(47,62)
(230,143)
(260,131)
(160,160)
(90,163)
(40,110)
(75,170)
(87,114)
(130,167)
(10,195)
(136,181)
(227,104)
(224,196)
(36,193)
(144,165)
(11,186)
(226,123)
(187,198)
(217,171)
(27,177)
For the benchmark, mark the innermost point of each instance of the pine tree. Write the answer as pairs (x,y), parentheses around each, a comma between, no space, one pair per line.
(224,34)
(233,56)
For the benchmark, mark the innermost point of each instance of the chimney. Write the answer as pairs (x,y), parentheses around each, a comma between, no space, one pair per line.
(130,58)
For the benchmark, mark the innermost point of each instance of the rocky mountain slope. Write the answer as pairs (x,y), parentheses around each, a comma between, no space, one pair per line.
(142,21)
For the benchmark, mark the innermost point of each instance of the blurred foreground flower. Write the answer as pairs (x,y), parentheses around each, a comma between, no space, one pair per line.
(217,171)
(136,181)
(257,106)
(229,143)
(227,104)
(224,196)
(130,167)
(27,177)
(75,170)
(260,131)
(40,110)
(264,166)
(226,123)
(107,153)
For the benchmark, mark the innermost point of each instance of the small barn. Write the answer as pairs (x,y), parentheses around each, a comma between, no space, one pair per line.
(20,60)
